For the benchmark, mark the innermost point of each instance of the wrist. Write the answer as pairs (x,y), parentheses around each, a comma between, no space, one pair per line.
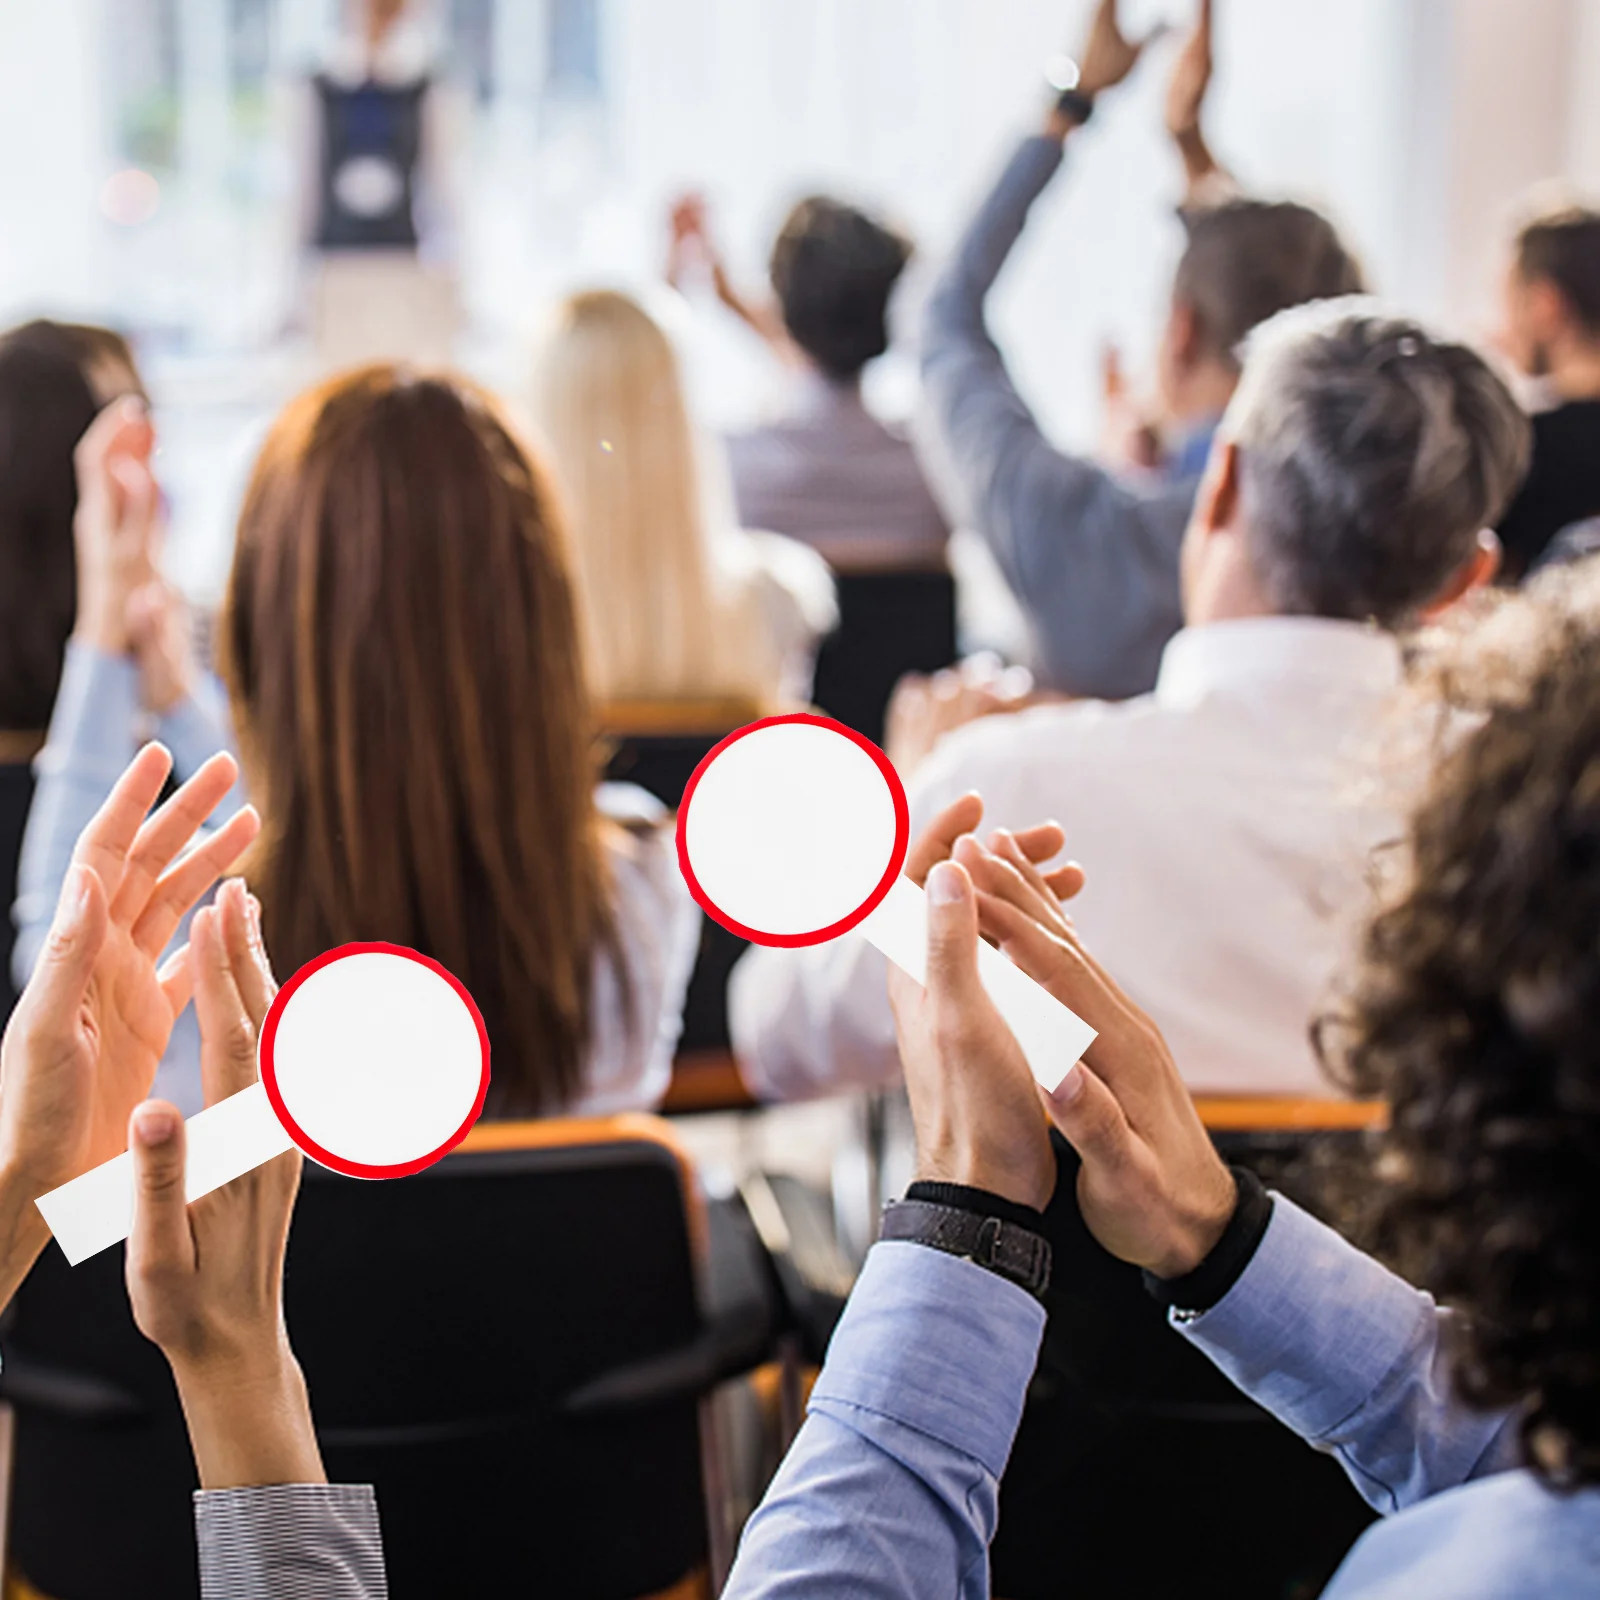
(249,1419)
(1024,1182)
(23,1231)
(1199,1227)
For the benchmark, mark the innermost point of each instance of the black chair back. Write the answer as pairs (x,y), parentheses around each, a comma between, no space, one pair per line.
(890,623)
(1139,1468)
(510,1346)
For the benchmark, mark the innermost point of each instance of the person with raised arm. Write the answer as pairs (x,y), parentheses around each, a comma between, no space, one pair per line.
(1472,1010)
(1092,555)
(76,1062)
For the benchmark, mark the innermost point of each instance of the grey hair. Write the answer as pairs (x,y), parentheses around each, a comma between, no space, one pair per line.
(1371,454)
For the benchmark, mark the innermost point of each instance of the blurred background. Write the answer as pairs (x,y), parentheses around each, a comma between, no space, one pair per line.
(155,154)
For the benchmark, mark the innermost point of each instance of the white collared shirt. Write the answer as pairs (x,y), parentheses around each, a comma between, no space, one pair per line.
(1225,822)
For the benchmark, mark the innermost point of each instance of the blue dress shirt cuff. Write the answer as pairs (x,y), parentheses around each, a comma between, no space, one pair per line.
(936,1344)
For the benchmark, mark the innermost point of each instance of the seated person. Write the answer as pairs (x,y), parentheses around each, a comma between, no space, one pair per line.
(1473,1429)
(678,603)
(402,656)
(206,1280)
(828,472)
(1092,556)
(1225,821)
(54,377)
(1552,332)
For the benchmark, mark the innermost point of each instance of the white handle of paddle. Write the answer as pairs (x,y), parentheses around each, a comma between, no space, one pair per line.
(225,1141)
(1052,1037)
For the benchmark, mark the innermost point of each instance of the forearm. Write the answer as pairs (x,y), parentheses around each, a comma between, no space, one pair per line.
(1351,1357)
(92,739)
(891,1489)
(250,1421)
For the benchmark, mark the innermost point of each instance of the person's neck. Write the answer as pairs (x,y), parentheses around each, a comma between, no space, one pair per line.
(1575,373)
(1201,398)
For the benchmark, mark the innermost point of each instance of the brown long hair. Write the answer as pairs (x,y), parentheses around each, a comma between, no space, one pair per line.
(401,649)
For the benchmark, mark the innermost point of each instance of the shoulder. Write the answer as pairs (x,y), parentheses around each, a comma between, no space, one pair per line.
(1498,1536)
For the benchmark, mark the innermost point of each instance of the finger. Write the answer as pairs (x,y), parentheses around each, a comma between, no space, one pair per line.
(49,1004)
(185,883)
(1058,962)
(1090,1119)
(1205,23)
(167,832)
(996,876)
(103,846)
(1067,881)
(247,955)
(933,843)
(1113,381)
(227,1033)
(1038,843)
(1062,883)
(123,427)
(952,965)
(160,1243)
(140,497)
(176,978)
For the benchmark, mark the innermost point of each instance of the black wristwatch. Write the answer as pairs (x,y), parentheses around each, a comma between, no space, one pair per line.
(1077,105)
(1015,1253)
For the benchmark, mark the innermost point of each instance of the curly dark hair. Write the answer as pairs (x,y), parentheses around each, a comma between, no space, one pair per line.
(1475,1011)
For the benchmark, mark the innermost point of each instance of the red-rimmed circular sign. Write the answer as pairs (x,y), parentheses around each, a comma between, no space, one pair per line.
(375,1060)
(792,830)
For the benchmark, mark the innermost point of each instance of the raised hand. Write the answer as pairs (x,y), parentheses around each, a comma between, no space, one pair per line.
(115,527)
(206,1280)
(923,709)
(92,1025)
(159,635)
(1191,77)
(973,1101)
(1152,1188)
(1108,55)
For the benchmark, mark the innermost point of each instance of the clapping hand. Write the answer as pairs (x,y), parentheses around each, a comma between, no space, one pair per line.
(119,507)
(90,1029)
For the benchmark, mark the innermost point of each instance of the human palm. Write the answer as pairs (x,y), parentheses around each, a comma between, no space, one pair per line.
(83,1046)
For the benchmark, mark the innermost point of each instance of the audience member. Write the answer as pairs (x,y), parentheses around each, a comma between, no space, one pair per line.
(1472,1011)
(401,651)
(1093,558)
(1552,333)
(827,471)
(54,377)
(678,603)
(206,1281)
(1226,819)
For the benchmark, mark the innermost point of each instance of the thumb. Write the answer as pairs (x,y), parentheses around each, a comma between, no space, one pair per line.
(952,967)
(160,1239)
(61,978)
(1090,1119)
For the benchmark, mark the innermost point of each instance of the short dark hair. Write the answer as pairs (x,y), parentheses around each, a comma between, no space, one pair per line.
(1475,1012)
(46,405)
(833,269)
(1372,452)
(1562,246)
(1247,260)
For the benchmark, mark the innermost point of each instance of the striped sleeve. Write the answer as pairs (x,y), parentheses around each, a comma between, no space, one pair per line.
(290,1541)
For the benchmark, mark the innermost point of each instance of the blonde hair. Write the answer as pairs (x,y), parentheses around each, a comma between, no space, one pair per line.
(666,613)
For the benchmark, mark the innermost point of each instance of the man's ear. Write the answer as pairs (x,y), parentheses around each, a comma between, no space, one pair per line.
(1476,572)
(1217,504)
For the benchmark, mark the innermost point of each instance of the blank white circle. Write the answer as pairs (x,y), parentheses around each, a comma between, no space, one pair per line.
(790,829)
(378,1059)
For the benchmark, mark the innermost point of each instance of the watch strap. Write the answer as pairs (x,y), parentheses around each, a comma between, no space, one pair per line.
(1014,1253)
(1075,104)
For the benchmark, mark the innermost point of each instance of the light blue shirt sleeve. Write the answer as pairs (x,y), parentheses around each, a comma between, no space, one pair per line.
(892,1488)
(1093,560)
(1352,1358)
